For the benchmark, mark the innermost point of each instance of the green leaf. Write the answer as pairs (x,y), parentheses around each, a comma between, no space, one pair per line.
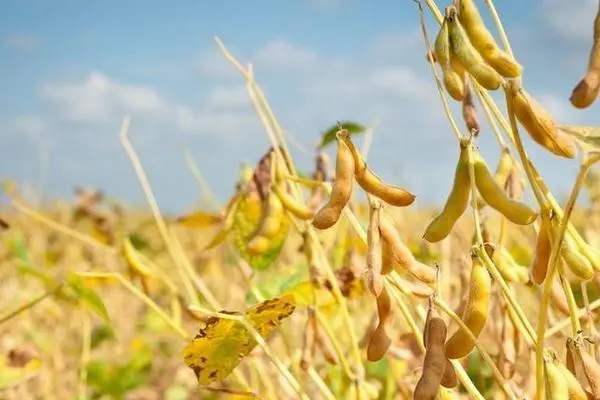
(481,374)
(378,369)
(19,250)
(117,379)
(102,333)
(246,220)
(87,296)
(352,127)
(97,373)
(138,241)
(295,278)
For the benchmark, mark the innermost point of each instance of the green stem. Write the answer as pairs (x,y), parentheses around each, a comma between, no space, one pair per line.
(29,304)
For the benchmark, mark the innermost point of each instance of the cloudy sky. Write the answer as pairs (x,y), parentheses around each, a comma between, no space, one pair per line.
(70,71)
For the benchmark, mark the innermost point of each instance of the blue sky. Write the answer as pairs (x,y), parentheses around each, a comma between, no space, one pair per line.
(71,70)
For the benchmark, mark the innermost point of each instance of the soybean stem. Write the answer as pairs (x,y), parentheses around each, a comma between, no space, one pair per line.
(500,27)
(552,269)
(575,324)
(32,303)
(565,322)
(436,76)
(275,135)
(497,375)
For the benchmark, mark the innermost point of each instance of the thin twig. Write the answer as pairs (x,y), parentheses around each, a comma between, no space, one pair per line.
(30,304)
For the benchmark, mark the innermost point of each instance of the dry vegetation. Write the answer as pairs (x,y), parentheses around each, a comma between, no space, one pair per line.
(294,289)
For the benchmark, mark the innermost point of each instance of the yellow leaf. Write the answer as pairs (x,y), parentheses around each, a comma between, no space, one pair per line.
(12,376)
(217,239)
(221,344)
(228,221)
(307,293)
(199,219)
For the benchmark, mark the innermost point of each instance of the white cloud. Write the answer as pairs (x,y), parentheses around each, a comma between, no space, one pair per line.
(373,85)
(282,55)
(29,124)
(225,111)
(225,123)
(228,96)
(395,45)
(574,21)
(326,4)
(401,82)
(212,63)
(560,109)
(98,98)
(22,41)
(276,55)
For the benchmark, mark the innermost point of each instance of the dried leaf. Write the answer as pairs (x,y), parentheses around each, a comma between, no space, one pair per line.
(199,219)
(221,344)
(587,136)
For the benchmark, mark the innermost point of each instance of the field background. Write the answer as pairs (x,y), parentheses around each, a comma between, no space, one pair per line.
(83,318)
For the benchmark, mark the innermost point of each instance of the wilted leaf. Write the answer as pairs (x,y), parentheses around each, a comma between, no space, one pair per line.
(221,344)
(352,127)
(587,136)
(351,284)
(88,296)
(199,219)
(246,220)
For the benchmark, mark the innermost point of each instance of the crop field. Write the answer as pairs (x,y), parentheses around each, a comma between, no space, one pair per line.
(327,283)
